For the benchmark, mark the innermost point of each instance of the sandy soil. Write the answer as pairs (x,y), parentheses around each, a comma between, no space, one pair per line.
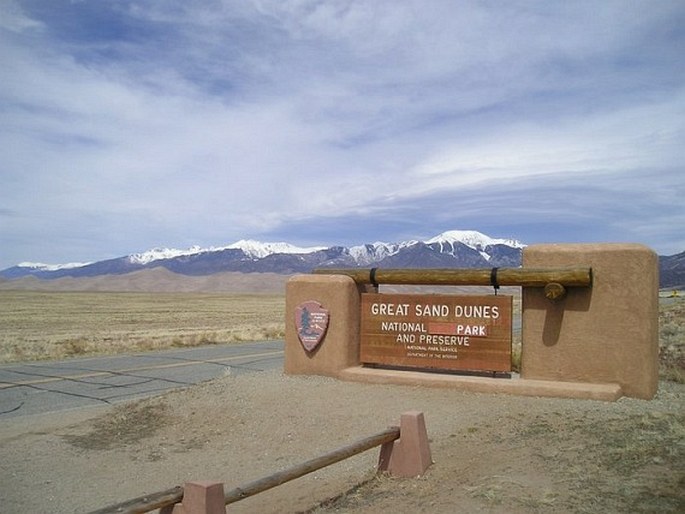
(492,453)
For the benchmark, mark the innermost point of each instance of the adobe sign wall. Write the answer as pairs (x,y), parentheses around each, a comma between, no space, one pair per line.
(598,342)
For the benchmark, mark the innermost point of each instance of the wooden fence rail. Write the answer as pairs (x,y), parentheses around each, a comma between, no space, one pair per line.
(247,490)
(404,451)
(145,503)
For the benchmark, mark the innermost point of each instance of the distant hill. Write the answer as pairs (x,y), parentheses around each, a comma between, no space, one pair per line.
(672,271)
(157,280)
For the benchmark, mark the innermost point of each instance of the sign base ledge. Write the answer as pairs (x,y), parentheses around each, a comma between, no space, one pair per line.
(476,384)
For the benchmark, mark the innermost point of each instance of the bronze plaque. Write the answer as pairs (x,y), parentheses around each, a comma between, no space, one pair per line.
(311,322)
(468,333)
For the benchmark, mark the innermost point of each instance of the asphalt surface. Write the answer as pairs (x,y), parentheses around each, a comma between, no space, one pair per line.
(52,386)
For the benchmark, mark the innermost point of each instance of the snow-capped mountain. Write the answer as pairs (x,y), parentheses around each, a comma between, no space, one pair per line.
(452,249)
(370,253)
(158,254)
(251,248)
(472,239)
(258,250)
(456,248)
(39,266)
(450,242)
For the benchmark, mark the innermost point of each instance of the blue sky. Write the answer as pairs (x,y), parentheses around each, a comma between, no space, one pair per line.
(128,125)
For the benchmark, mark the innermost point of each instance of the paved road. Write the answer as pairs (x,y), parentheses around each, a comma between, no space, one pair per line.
(51,386)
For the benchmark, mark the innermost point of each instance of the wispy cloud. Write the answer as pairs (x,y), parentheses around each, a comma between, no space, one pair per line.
(133,124)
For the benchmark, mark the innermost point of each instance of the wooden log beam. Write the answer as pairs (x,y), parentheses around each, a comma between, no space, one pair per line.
(525,277)
(310,466)
(555,291)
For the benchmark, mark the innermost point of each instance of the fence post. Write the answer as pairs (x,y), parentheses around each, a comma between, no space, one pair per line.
(410,455)
(199,498)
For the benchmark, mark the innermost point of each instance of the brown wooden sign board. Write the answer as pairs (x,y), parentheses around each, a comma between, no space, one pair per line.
(465,333)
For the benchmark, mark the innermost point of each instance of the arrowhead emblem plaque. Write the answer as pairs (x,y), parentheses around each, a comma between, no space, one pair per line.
(311,320)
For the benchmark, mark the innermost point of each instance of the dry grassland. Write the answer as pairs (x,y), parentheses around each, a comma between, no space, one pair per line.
(52,325)
(672,339)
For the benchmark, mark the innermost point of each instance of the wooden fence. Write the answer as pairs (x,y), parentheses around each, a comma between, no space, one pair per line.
(404,452)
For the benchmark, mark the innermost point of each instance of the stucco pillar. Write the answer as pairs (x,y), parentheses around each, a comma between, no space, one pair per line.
(339,348)
(604,334)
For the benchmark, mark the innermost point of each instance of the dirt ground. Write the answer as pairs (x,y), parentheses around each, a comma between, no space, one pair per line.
(492,453)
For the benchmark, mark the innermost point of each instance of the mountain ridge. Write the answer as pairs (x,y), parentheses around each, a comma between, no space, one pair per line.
(453,248)
(450,249)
